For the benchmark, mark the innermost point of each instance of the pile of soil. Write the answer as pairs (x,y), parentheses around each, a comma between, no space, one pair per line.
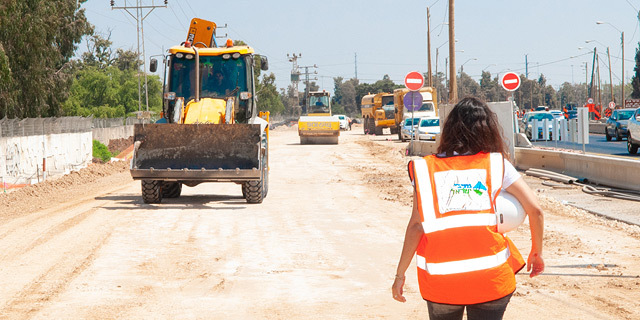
(118,145)
(36,196)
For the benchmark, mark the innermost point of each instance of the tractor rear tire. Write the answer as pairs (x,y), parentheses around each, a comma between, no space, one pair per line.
(151,191)
(171,189)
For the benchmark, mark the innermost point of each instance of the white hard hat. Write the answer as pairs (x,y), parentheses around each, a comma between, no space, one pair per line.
(509,212)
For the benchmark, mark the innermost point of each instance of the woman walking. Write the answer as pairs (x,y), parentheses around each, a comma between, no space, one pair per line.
(463,261)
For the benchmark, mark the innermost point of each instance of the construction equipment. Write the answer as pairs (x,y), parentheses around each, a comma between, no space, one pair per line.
(318,126)
(428,108)
(378,113)
(210,130)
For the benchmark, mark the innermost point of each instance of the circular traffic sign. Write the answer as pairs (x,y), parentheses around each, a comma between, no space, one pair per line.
(510,81)
(414,80)
(412,100)
(590,101)
(612,105)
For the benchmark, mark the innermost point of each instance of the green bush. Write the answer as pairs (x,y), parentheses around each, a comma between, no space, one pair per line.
(101,151)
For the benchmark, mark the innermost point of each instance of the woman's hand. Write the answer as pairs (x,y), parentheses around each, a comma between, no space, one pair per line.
(396,289)
(535,260)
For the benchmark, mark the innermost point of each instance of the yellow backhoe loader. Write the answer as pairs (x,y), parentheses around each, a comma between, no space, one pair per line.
(210,130)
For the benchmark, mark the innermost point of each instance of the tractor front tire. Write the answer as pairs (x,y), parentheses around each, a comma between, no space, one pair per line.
(151,191)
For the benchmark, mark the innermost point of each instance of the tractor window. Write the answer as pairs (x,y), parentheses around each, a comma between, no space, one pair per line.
(219,78)
(386,101)
(222,78)
(182,78)
(319,104)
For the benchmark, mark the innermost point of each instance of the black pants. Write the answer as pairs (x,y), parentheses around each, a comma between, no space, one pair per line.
(482,311)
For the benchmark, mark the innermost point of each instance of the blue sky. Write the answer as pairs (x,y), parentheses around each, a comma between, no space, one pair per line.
(389,37)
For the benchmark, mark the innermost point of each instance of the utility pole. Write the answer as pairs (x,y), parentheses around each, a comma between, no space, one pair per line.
(526,66)
(295,76)
(140,16)
(593,69)
(610,79)
(446,72)
(306,81)
(453,90)
(599,86)
(429,79)
(586,79)
(355,61)
(622,41)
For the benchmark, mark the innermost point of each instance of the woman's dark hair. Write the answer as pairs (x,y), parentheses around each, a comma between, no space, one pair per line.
(471,127)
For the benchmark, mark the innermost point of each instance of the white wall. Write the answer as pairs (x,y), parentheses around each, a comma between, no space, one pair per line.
(22,157)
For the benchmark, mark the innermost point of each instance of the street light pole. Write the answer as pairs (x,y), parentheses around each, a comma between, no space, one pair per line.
(453,88)
(461,70)
(429,79)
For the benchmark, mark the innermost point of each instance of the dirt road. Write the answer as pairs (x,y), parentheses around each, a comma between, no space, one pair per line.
(323,245)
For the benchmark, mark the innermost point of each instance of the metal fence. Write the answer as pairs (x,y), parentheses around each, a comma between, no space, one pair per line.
(44,126)
(113,122)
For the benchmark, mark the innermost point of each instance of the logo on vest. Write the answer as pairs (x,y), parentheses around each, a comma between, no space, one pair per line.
(462,190)
(466,188)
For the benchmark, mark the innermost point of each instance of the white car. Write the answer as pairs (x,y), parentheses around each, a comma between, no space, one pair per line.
(428,128)
(344,122)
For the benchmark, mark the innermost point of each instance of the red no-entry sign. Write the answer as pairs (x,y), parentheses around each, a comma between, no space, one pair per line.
(414,81)
(510,81)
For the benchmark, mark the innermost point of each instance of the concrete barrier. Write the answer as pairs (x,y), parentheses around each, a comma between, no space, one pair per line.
(24,157)
(603,170)
(608,171)
(597,127)
(105,134)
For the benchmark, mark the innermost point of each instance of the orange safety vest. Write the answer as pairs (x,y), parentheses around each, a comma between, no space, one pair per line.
(461,258)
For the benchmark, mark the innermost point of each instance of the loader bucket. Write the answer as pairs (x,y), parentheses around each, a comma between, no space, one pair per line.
(204,152)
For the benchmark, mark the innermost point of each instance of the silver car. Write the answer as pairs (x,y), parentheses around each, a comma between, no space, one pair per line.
(405,131)
(633,131)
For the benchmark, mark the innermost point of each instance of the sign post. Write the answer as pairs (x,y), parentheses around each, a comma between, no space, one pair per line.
(413,81)
(511,82)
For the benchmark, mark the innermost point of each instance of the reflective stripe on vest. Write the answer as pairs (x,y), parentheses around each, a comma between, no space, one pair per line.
(453,267)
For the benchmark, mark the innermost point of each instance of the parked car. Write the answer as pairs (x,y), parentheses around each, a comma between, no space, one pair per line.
(405,131)
(557,114)
(428,128)
(344,122)
(633,132)
(617,124)
(527,123)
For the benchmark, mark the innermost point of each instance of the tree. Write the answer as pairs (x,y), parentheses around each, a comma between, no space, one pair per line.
(345,95)
(37,40)
(635,80)
(268,97)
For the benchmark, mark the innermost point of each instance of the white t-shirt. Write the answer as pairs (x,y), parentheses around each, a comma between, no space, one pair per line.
(510,174)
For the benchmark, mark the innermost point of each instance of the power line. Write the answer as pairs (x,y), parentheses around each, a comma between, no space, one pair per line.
(140,16)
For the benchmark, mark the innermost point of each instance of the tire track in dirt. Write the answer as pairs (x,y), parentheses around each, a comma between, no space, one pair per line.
(35,295)
(47,235)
